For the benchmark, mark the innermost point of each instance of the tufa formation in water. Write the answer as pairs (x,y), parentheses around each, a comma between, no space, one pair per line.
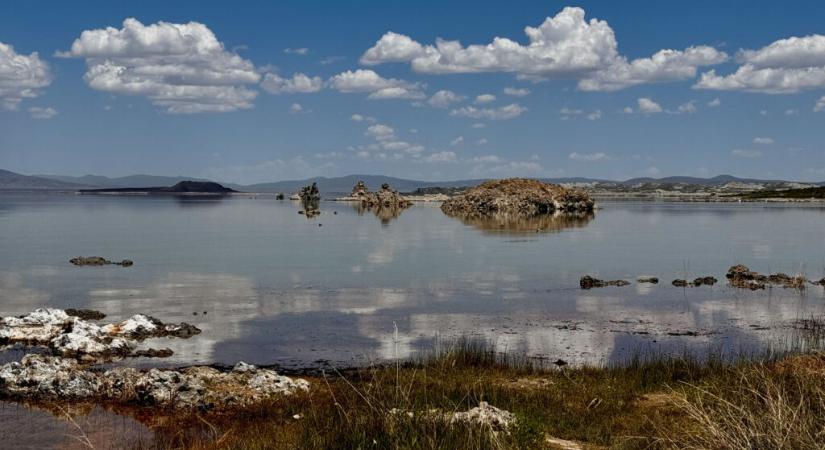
(518,196)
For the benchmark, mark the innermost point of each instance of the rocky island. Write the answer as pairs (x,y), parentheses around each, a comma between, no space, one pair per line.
(385,198)
(519,196)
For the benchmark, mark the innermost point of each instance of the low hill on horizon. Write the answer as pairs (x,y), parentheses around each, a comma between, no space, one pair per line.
(184,187)
(343,185)
(15,181)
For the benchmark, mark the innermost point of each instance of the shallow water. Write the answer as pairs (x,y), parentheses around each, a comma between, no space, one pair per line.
(67,428)
(269,286)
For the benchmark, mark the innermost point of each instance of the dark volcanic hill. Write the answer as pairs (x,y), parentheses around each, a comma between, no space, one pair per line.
(184,187)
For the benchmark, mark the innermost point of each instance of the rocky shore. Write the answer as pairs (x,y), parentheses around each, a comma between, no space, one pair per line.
(69,335)
(76,347)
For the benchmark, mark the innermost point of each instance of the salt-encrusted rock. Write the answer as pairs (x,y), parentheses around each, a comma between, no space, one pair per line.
(83,338)
(141,326)
(519,196)
(68,335)
(244,367)
(41,377)
(46,377)
(37,327)
(486,415)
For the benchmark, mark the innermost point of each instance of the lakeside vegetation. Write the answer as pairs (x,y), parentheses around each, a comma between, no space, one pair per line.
(774,401)
(801,194)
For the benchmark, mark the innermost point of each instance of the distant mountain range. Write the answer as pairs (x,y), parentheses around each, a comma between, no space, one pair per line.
(340,185)
(15,181)
(138,181)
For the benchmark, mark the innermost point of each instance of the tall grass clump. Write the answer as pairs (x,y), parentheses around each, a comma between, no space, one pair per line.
(763,406)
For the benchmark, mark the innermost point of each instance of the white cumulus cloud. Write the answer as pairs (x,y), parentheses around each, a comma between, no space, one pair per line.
(564,46)
(42,113)
(784,66)
(368,81)
(21,76)
(484,98)
(501,113)
(441,157)
(648,106)
(379,132)
(517,92)
(763,140)
(665,65)
(588,157)
(182,68)
(299,84)
(444,98)
(820,105)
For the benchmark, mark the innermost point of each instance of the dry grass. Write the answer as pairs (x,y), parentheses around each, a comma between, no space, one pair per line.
(650,401)
(776,406)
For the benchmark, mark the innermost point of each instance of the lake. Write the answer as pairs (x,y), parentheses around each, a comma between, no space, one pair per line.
(270,286)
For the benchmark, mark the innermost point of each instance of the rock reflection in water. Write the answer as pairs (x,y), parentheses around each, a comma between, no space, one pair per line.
(385,214)
(508,223)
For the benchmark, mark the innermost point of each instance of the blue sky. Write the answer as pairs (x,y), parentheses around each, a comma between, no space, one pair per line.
(210,89)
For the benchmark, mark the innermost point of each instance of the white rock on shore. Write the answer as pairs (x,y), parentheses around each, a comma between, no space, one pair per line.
(41,377)
(72,336)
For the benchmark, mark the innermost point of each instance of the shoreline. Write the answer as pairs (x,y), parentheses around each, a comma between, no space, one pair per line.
(512,402)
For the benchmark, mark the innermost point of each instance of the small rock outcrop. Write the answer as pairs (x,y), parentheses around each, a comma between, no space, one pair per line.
(740,276)
(310,199)
(647,279)
(71,336)
(41,377)
(704,281)
(680,282)
(588,282)
(385,198)
(99,261)
(386,204)
(519,196)
(487,416)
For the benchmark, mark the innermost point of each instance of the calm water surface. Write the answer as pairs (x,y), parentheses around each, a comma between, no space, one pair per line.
(268,286)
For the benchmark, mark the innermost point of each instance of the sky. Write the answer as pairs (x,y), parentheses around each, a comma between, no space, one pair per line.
(256,91)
